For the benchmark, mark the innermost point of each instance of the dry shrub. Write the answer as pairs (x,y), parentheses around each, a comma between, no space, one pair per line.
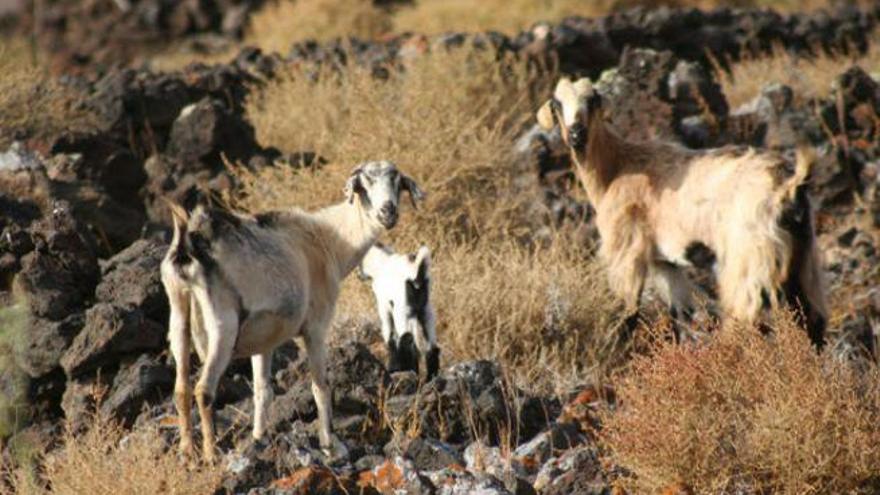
(809,77)
(448,120)
(280,23)
(108,460)
(745,412)
(32,103)
(546,314)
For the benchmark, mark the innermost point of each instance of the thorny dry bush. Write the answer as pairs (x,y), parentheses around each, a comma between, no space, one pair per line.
(109,460)
(744,413)
(449,120)
(32,103)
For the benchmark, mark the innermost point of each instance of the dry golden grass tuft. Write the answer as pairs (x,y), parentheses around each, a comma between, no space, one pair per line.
(809,77)
(280,23)
(449,120)
(762,415)
(108,460)
(32,103)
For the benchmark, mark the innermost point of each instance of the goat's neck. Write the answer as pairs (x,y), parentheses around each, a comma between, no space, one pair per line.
(354,230)
(602,158)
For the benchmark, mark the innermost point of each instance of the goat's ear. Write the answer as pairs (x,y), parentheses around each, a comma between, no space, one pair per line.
(423,257)
(594,103)
(409,185)
(353,185)
(545,115)
(362,274)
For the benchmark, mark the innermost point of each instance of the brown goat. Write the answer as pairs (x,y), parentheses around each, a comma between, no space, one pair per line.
(660,206)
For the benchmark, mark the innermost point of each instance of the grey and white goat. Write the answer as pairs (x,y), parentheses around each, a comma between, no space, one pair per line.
(240,285)
(402,286)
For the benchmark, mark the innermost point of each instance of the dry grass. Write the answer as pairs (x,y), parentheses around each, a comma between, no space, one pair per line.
(449,121)
(33,104)
(748,413)
(279,24)
(282,22)
(178,58)
(438,16)
(108,460)
(809,77)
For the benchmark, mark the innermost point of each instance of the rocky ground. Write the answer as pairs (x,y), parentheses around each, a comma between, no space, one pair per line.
(83,233)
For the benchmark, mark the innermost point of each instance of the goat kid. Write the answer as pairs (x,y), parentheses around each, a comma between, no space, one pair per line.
(401,284)
(661,206)
(240,285)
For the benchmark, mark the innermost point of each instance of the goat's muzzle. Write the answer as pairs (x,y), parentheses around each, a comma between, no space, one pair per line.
(388,215)
(577,135)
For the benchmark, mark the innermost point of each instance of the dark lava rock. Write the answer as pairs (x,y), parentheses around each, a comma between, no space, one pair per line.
(455,480)
(145,381)
(637,94)
(576,471)
(109,333)
(205,129)
(106,162)
(59,277)
(44,342)
(429,454)
(557,438)
(132,278)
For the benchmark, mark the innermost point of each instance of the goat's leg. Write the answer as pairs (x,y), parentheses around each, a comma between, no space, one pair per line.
(407,347)
(316,349)
(262,365)
(627,276)
(221,328)
(677,291)
(179,337)
(627,248)
(390,337)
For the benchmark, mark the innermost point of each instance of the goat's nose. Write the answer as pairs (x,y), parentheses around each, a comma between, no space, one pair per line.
(578,135)
(387,210)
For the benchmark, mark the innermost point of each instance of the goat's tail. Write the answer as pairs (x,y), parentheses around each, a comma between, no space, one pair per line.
(179,218)
(805,156)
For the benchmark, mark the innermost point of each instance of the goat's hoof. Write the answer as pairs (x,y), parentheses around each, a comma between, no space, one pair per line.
(336,451)
(186,449)
(209,457)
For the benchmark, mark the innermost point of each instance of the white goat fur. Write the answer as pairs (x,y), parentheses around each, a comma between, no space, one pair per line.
(656,199)
(390,273)
(240,285)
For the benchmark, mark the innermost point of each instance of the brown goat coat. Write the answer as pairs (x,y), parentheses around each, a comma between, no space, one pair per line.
(655,199)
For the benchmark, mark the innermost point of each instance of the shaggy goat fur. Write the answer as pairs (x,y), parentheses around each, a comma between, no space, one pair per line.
(659,204)
(402,286)
(240,285)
